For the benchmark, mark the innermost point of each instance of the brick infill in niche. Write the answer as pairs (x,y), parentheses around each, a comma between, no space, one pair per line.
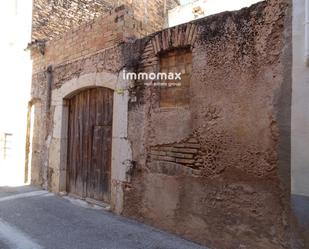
(185,153)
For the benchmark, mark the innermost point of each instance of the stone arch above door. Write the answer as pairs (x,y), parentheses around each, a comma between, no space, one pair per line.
(70,87)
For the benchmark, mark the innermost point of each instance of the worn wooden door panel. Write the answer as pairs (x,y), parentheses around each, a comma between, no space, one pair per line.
(89,144)
(101,151)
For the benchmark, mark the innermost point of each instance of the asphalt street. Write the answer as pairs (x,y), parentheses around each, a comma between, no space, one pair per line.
(34,219)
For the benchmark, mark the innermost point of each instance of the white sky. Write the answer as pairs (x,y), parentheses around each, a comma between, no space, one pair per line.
(15,70)
(15,64)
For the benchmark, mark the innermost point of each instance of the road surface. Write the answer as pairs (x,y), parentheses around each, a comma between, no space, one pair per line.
(34,219)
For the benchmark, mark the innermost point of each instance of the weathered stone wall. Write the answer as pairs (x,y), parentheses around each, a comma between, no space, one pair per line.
(217,170)
(214,170)
(53,18)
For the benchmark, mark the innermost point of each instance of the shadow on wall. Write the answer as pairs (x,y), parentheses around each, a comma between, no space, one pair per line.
(300,206)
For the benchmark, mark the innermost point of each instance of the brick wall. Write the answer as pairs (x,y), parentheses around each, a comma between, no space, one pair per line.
(53,18)
(186,153)
(113,28)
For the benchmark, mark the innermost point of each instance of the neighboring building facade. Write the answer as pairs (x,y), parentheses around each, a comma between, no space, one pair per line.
(196,9)
(208,159)
(300,109)
(300,113)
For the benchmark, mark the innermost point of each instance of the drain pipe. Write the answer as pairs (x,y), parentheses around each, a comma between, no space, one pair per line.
(49,76)
(307,33)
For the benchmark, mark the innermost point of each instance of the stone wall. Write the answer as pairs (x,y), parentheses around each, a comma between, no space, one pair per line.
(53,18)
(213,169)
(216,170)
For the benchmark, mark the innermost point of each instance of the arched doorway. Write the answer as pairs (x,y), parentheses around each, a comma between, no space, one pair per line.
(89,144)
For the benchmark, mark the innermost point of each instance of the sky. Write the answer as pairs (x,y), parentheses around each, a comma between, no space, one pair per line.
(15,70)
(15,24)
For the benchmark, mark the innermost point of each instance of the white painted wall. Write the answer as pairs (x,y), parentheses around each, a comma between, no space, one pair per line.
(183,13)
(300,104)
(15,71)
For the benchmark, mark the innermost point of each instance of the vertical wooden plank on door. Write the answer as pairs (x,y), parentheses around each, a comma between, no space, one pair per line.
(91,183)
(79,178)
(107,146)
(102,138)
(70,147)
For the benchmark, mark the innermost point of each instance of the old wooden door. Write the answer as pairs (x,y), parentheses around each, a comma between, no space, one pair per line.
(89,144)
